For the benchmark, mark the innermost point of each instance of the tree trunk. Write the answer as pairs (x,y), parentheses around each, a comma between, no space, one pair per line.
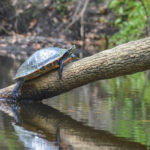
(122,60)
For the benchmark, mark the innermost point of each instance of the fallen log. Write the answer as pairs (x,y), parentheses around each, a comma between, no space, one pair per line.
(121,60)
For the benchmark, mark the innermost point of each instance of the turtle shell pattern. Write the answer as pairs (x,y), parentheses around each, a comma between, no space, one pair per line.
(40,62)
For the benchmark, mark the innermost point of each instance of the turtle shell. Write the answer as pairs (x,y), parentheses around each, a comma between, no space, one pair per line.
(40,62)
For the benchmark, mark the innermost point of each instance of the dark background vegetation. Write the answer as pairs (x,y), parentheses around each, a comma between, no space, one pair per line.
(94,25)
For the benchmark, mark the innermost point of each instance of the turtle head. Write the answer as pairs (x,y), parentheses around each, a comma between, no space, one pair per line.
(71,50)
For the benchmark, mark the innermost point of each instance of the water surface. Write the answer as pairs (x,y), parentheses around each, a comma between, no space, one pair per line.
(109,114)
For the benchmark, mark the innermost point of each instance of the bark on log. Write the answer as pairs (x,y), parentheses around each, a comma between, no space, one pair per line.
(122,60)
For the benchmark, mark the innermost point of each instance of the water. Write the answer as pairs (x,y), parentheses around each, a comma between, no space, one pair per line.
(105,115)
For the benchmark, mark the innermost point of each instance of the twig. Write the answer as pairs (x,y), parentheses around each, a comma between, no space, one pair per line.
(82,19)
(3,29)
(107,4)
(77,9)
(147,17)
(78,17)
(73,18)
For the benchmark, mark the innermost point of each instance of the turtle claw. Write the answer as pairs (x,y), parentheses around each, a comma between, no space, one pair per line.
(60,75)
(15,95)
(15,110)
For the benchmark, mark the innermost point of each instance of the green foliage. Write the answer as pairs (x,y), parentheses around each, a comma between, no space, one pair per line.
(131,19)
(61,6)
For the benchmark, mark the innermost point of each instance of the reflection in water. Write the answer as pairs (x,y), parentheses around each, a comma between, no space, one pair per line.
(8,137)
(33,140)
(120,106)
(40,123)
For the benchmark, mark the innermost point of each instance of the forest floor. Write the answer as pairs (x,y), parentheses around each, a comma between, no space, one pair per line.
(26,27)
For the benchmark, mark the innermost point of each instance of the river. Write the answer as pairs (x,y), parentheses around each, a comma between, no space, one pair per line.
(110,114)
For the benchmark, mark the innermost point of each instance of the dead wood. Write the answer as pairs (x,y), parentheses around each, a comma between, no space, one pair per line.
(122,60)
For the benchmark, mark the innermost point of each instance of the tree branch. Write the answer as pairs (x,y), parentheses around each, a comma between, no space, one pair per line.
(122,60)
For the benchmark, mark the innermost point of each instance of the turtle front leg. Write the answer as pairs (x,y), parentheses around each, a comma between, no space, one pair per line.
(15,91)
(61,62)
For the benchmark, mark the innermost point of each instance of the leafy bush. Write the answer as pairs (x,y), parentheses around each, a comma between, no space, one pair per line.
(130,19)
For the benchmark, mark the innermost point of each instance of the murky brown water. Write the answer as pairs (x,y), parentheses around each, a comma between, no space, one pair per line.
(105,115)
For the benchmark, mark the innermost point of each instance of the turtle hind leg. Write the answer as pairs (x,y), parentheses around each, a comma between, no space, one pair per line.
(15,91)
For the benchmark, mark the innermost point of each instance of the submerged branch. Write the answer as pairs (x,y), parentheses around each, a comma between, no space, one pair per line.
(122,60)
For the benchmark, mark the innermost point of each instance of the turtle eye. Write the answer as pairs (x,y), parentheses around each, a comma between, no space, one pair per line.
(43,68)
(49,65)
(56,62)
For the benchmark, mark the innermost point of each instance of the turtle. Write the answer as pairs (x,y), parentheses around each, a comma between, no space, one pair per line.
(40,62)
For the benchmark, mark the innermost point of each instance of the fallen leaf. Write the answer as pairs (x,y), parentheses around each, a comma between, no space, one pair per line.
(37,46)
(3,45)
(32,23)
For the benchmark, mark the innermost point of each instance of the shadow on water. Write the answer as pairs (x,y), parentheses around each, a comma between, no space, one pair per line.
(44,127)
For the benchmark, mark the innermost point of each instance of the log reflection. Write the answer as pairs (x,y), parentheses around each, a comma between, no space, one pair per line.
(71,134)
